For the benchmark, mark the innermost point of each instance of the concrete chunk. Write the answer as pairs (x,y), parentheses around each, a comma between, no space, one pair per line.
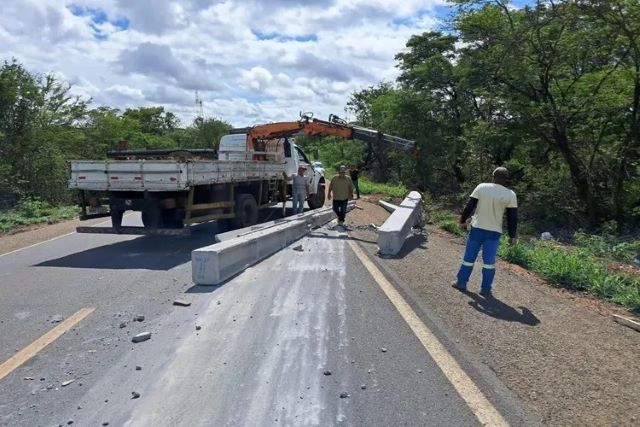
(181,303)
(143,336)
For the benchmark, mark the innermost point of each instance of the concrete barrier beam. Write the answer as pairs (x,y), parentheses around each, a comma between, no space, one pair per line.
(395,230)
(239,249)
(389,207)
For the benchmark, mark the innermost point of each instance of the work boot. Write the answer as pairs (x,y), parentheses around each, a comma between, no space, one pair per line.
(486,292)
(462,287)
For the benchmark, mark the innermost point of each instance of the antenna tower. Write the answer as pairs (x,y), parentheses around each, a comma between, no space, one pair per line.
(200,110)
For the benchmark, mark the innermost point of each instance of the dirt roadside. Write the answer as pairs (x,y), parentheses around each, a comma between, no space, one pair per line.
(558,351)
(42,232)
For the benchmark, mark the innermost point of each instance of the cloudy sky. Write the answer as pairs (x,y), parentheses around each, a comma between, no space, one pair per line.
(250,61)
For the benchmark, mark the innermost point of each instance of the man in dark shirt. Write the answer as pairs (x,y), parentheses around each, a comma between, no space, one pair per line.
(354,172)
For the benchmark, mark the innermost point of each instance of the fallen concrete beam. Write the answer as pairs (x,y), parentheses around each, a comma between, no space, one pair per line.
(214,264)
(389,207)
(265,225)
(395,230)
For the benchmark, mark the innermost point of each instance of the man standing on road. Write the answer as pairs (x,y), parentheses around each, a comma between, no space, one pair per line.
(300,189)
(353,173)
(342,189)
(489,200)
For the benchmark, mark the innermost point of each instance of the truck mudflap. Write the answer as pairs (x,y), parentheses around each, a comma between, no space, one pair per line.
(186,231)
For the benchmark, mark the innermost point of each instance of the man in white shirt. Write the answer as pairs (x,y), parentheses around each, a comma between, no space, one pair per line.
(490,201)
(299,190)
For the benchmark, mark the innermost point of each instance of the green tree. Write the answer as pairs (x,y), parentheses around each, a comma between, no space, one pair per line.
(557,75)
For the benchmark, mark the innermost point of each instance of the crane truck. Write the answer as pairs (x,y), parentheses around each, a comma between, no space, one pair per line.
(174,189)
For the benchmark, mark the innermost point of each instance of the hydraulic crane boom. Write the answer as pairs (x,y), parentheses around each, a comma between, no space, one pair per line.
(316,127)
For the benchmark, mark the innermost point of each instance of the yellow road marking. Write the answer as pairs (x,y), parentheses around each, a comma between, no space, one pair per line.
(484,411)
(32,349)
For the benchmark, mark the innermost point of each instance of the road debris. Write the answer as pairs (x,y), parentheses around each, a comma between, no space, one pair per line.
(181,303)
(344,395)
(66,383)
(143,336)
(138,318)
(135,395)
(57,318)
(298,248)
(627,322)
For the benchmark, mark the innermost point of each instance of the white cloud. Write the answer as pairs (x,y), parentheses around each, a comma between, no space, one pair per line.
(251,61)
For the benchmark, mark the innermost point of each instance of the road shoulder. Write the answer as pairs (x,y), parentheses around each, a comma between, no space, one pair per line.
(562,356)
(42,233)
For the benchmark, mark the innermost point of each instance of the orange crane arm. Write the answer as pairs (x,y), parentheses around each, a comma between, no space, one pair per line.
(315,127)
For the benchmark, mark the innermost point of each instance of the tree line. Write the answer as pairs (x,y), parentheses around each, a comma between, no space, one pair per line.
(42,126)
(552,91)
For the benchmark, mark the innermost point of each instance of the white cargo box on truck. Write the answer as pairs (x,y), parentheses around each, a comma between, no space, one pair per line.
(166,175)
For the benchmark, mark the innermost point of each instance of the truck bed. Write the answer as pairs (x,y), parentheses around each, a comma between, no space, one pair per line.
(166,175)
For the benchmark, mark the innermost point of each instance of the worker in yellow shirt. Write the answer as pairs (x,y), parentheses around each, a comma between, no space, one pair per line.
(341,189)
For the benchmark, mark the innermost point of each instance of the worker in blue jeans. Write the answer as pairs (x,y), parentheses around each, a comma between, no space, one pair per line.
(489,201)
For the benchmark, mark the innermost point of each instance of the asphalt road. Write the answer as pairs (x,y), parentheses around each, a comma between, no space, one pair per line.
(251,352)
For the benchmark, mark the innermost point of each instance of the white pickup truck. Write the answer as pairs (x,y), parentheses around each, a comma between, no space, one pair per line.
(177,188)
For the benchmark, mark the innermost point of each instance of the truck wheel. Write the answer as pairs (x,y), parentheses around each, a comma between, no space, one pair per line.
(172,218)
(246,211)
(151,218)
(317,201)
(116,218)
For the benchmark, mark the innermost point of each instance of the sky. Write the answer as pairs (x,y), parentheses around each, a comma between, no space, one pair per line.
(250,61)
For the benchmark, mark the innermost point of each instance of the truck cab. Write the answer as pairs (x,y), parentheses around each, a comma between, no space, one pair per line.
(283,150)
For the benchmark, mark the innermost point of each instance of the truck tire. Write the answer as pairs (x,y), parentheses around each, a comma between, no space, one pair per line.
(151,218)
(317,200)
(246,211)
(116,218)
(172,218)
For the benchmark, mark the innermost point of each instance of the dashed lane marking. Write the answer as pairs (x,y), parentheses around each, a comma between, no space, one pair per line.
(484,411)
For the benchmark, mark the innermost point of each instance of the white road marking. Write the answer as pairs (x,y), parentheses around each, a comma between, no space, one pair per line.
(484,411)
(52,239)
